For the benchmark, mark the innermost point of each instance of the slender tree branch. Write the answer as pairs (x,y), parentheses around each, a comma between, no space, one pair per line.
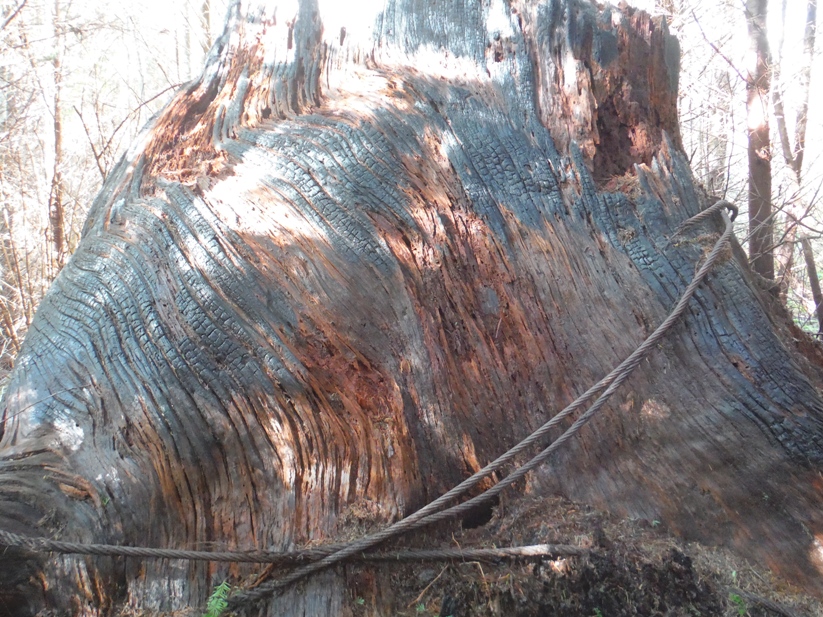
(91,143)
(717,49)
(13,14)
(134,111)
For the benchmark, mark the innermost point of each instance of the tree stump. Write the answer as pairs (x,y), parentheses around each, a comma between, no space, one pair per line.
(366,252)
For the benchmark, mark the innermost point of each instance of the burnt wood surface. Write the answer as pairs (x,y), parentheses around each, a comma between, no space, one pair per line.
(364,254)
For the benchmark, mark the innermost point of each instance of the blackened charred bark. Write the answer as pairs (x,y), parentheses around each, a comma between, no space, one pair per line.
(344,269)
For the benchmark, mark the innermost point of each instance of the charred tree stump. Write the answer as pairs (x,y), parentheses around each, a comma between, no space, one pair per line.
(366,252)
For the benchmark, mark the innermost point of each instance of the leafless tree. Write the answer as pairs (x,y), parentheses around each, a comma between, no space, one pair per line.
(76,85)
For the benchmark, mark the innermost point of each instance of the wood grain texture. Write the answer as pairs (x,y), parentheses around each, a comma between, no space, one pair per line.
(363,255)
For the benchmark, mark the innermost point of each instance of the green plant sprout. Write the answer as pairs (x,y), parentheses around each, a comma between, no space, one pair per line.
(218,600)
(742,611)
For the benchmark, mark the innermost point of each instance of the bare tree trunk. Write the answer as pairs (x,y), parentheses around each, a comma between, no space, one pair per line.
(205,22)
(56,196)
(187,25)
(814,281)
(805,81)
(761,223)
(796,209)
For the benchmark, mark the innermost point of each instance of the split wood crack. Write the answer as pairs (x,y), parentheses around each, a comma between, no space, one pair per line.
(312,560)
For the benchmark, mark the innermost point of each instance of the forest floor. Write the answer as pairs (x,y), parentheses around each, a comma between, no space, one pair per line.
(634,567)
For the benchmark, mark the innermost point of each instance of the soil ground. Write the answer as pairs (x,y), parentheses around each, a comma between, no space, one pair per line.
(633,568)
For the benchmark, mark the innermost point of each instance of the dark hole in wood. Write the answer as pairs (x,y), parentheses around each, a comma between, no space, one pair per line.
(479,516)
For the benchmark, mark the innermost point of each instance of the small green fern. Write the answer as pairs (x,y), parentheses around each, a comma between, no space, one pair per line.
(740,604)
(218,600)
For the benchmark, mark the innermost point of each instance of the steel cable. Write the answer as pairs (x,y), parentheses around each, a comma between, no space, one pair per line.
(429,514)
(322,557)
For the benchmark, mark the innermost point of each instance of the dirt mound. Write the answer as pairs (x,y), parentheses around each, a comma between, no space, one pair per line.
(633,568)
